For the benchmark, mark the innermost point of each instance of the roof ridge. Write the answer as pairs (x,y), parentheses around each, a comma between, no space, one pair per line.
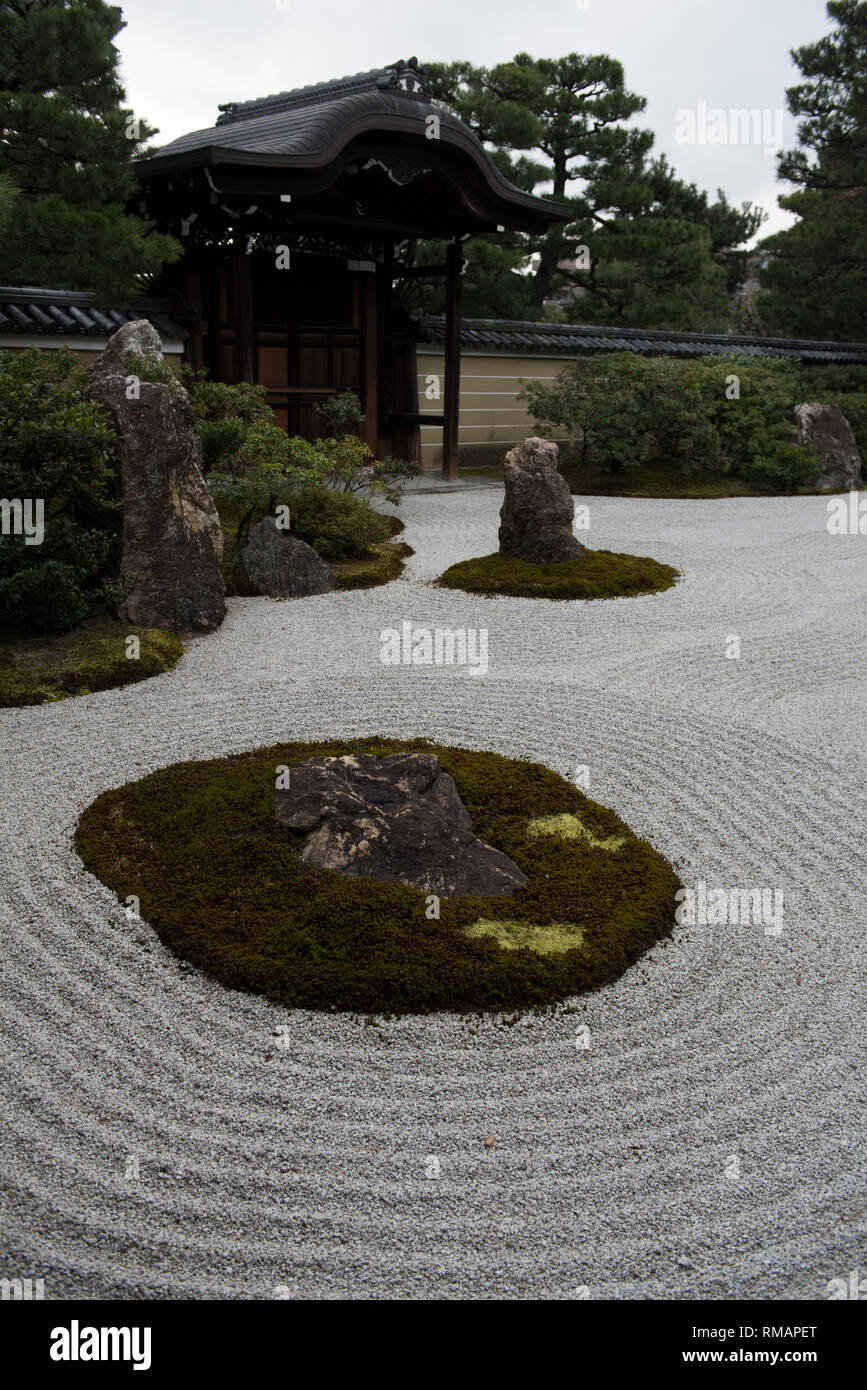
(399,77)
(590,330)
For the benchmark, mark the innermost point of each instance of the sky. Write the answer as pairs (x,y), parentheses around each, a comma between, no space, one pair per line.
(689,58)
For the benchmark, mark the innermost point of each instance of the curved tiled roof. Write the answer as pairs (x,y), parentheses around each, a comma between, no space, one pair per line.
(502,335)
(310,127)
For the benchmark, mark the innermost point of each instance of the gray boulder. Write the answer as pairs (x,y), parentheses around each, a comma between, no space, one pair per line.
(170,532)
(281,565)
(537,514)
(397,818)
(826,428)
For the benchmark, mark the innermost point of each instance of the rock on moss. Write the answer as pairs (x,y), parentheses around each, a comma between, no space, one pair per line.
(199,846)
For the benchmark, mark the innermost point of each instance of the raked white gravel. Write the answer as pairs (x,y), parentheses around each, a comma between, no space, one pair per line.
(708,1143)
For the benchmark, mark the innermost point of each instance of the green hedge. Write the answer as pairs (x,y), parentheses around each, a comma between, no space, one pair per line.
(725,413)
(57,449)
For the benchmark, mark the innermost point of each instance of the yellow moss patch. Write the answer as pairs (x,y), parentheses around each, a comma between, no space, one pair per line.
(530,936)
(572,828)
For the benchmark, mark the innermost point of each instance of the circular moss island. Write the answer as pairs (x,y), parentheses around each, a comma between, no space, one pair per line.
(222,883)
(597,574)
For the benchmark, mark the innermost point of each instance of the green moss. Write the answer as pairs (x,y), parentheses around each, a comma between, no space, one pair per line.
(385,562)
(222,883)
(572,828)
(38,670)
(528,936)
(598,574)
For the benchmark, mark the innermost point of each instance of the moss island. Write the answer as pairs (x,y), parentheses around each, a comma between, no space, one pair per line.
(223,885)
(597,574)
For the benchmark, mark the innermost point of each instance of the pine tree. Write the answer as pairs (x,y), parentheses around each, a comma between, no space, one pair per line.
(66,149)
(815,279)
(650,250)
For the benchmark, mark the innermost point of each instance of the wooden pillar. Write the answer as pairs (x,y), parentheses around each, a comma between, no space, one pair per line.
(242,291)
(452,391)
(371,356)
(383,354)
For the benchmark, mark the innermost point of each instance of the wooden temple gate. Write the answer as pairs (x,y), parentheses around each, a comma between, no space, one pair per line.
(299,212)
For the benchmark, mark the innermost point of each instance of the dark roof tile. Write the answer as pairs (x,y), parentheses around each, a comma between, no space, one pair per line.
(34,312)
(508,335)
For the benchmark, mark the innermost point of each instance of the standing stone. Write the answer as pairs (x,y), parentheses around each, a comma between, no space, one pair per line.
(170,536)
(397,818)
(827,430)
(537,513)
(281,565)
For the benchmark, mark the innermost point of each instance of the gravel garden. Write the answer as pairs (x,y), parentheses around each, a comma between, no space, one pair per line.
(345,964)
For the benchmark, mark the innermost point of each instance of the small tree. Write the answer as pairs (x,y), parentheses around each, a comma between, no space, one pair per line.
(347,464)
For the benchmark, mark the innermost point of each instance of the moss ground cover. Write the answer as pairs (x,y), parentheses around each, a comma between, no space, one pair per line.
(598,574)
(223,885)
(38,669)
(385,562)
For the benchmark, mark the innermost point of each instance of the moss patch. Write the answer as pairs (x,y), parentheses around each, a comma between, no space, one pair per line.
(385,562)
(223,885)
(572,828)
(598,574)
(528,936)
(34,670)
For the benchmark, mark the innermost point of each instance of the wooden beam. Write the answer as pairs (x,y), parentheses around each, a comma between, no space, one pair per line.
(452,391)
(242,285)
(404,417)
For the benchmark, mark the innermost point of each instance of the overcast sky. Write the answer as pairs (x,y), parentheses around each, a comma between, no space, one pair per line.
(181,58)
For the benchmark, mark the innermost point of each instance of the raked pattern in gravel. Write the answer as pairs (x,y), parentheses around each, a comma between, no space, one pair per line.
(709,1140)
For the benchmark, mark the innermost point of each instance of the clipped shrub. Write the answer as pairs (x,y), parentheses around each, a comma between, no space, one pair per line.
(57,448)
(337,524)
(841,379)
(730,413)
(787,467)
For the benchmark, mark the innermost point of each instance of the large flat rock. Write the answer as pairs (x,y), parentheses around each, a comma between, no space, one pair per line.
(398,818)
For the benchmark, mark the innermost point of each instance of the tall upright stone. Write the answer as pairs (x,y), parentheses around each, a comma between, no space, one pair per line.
(537,514)
(826,429)
(170,535)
